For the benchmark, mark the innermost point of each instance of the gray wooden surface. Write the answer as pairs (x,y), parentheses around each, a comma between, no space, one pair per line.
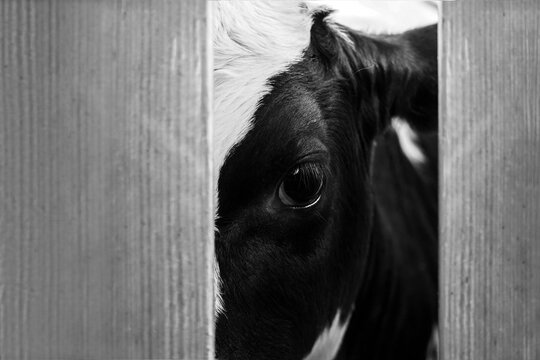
(105,184)
(490,204)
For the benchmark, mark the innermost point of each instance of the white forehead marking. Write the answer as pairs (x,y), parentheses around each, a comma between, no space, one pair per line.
(253,41)
(327,344)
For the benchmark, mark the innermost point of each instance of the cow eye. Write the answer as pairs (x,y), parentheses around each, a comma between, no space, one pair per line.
(302,186)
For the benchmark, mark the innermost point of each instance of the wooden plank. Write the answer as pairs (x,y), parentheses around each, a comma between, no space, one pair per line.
(105,184)
(490,204)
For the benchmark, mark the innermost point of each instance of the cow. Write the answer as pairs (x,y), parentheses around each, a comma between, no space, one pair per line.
(325,163)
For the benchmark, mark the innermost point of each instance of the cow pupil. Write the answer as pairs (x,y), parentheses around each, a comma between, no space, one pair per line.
(302,186)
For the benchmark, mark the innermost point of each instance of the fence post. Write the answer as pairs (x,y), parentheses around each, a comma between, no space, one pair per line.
(490,203)
(105,180)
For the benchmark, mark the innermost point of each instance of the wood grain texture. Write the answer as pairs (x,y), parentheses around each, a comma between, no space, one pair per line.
(105,187)
(490,205)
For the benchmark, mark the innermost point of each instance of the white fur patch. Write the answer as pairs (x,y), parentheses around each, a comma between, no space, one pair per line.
(253,41)
(218,300)
(432,352)
(408,142)
(383,16)
(327,344)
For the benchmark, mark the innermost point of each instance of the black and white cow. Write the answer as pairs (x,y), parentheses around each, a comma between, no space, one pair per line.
(326,233)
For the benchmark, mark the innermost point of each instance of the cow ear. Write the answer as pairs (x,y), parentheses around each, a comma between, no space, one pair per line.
(330,42)
(414,78)
(406,77)
(399,72)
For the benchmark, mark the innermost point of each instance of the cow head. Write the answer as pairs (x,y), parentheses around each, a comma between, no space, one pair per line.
(299,101)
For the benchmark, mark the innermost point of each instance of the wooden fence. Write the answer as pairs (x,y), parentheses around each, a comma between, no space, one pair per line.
(105,180)
(490,202)
(105,187)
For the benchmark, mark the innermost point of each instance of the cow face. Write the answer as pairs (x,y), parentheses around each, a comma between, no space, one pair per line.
(294,203)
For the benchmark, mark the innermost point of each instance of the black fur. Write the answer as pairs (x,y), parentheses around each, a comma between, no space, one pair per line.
(369,246)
